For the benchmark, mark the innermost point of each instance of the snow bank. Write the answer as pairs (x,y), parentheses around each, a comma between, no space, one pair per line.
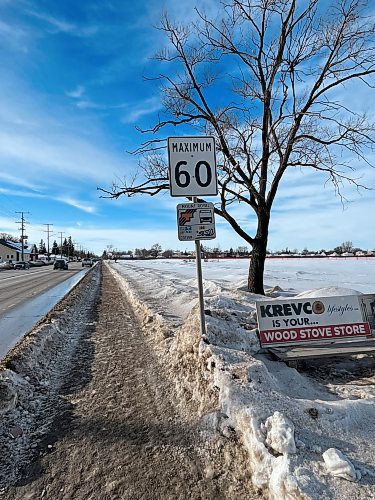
(330,291)
(32,374)
(285,419)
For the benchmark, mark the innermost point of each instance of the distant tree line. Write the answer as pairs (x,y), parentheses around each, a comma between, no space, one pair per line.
(215,252)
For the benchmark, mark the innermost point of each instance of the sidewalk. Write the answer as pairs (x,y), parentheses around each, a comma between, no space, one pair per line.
(118,433)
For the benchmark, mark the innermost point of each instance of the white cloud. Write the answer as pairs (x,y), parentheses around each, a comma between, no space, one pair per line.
(95,239)
(87,104)
(7,225)
(46,156)
(324,226)
(77,92)
(81,205)
(39,139)
(90,209)
(147,107)
(57,24)
(14,36)
(17,181)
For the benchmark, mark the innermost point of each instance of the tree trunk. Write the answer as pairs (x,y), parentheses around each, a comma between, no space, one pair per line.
(258,256)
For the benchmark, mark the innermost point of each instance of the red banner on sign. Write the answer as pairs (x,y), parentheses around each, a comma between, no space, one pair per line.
(308,334)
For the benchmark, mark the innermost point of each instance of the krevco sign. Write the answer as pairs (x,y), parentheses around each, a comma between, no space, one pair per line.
(324,319)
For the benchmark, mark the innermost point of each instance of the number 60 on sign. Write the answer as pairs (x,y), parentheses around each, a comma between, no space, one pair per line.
(192,166)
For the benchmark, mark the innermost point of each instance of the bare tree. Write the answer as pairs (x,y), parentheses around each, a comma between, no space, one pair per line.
(347,246)
(155,250)
(9,237)
(278,64)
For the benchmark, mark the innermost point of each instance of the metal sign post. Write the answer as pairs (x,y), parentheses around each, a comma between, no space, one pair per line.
(196,221)
(198,261)
(192,173)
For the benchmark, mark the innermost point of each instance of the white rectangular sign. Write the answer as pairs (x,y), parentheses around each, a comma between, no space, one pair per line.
(309,320)
(192,166)
(196,221)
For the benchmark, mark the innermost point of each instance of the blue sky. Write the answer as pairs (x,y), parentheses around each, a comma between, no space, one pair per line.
(71,93)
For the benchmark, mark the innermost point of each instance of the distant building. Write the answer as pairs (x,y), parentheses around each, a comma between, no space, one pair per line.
(10,250)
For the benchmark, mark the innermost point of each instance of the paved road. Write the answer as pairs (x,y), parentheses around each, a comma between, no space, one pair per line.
(19,286)
(27,296)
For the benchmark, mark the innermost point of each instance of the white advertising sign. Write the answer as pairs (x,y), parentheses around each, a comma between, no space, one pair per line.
(325,319)
(192,166)
(196,221)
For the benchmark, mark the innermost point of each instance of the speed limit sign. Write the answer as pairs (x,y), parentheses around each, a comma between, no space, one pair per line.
(192,166)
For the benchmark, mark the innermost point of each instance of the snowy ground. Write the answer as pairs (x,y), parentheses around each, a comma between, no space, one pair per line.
(309,432)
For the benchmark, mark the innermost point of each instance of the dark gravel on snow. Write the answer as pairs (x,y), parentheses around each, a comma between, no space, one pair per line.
(119,432)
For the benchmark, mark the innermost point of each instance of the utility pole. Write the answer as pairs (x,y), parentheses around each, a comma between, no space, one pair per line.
(61,233)
(22,228)
(75,246)
(48,231)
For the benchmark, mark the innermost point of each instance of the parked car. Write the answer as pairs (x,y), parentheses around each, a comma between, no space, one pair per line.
(60,264)
(87,262)
(36,263)
(21,265)
(6,265)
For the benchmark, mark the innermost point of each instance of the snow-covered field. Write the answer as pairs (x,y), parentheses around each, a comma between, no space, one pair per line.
(309,433)
(296,275)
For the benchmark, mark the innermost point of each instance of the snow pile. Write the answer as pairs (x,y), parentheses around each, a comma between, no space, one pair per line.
(286,419)
(338,465)
(280,434)
(33,372)
(329,291)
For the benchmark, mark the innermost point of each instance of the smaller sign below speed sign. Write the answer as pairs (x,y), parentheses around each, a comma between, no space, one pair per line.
(196,221)
(192,166)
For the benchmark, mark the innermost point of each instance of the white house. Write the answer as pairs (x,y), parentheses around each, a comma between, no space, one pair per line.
(10,250)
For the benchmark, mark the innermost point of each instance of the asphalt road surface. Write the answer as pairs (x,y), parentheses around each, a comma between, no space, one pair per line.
(19,286)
